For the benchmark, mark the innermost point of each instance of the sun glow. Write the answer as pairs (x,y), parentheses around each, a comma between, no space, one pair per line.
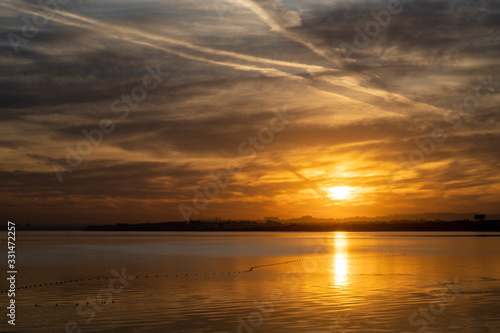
(339,192)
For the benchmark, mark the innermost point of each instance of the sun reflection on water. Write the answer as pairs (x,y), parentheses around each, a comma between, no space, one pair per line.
(340,262)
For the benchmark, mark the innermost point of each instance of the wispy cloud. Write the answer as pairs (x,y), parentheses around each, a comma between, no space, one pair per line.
(357,116)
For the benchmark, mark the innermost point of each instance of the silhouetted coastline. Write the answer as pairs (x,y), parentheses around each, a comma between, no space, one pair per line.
(464,225)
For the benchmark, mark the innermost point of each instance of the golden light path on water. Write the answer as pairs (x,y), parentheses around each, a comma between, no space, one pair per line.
(358,282)
(340,262)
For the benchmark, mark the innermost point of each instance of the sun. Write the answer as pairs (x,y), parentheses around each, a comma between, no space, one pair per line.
(339,192)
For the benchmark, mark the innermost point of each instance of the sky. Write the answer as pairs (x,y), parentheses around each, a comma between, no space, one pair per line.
(120,111)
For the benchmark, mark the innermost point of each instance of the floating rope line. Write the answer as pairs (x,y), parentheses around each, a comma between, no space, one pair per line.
(251,269)
(323,258)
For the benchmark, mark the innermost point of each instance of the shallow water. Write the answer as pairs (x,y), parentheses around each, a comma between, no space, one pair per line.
(300,282)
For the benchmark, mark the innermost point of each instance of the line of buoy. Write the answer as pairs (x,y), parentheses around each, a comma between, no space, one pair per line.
(222,273)
(324,258)
(57,283)
(77,304)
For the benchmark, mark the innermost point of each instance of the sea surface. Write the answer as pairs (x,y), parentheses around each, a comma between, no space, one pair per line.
(255,282)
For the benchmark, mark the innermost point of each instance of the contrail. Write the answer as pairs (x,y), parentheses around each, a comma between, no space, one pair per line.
(138,37)
(267,17)
(128,34)
(168,40)
(310,183)
(120,33)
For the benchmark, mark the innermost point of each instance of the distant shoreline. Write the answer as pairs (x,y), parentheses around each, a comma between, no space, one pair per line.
(273,226)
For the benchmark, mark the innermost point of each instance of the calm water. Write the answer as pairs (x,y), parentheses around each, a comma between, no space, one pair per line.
(306,282)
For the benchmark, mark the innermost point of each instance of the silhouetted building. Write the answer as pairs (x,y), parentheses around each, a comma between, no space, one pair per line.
(480,217)
(271,218)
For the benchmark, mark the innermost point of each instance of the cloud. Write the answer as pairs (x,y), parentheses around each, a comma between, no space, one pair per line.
(355,116)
